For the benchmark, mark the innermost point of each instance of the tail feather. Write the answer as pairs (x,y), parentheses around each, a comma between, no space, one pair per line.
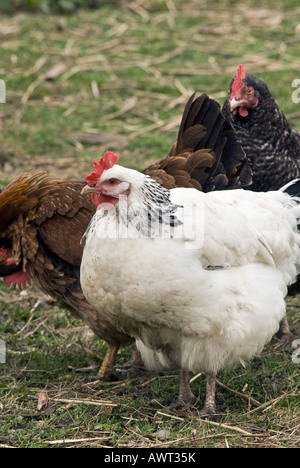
(206,154)
(292,188)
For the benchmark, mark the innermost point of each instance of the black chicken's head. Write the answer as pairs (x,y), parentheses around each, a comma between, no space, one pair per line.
(246,93)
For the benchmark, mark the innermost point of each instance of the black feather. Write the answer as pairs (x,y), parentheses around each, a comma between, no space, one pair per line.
(267,139)
(292,188)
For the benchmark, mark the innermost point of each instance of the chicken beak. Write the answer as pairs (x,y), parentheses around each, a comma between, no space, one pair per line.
(89,189)
(233,103)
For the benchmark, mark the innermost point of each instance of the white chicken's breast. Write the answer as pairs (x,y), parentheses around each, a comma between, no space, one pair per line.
(207,320)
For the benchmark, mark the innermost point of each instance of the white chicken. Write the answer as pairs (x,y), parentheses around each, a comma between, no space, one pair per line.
(198,279)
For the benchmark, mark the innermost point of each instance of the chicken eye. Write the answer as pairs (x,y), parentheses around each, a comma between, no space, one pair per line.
(112,181)
(250,91)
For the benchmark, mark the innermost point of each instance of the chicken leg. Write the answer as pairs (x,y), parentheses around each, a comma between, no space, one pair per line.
(284,333)
(108,362)
(210,409)
(186,397)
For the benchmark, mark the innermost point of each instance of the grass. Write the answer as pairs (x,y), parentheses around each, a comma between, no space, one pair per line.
(48,351)
(128,71)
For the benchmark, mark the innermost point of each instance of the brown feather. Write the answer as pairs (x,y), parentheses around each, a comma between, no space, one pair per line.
(206,141)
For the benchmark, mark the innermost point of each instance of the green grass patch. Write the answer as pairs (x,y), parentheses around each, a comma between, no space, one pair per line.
(49,351)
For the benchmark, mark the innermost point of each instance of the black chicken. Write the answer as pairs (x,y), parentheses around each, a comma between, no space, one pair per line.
(267,139)
(263,131)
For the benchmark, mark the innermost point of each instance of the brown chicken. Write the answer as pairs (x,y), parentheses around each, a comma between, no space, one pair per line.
(43,218)
(42,221)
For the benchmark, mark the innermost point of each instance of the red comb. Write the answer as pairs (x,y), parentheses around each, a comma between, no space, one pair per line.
(238,80)
(106,162)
